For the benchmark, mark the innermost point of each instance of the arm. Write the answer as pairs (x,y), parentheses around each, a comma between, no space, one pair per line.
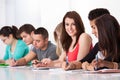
(58,63)
(91,55)
(54,63)
(85,43)
(23,61)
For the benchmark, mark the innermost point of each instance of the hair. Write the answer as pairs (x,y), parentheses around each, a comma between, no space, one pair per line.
(109,35)
(7,30)
(58,29)
(97,13)
(28,28)
(42,31)
(65,38)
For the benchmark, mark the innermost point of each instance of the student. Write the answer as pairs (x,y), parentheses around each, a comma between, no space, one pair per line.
(95,13)
(107,29)
(75,42)
(59,49)
(42,48)
(25,32)
(57,34)
(16,48)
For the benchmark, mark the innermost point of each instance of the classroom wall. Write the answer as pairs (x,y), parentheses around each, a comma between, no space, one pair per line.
(48,13)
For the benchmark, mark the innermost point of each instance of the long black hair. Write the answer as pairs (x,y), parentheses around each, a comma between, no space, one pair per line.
(7,30)
(109,35)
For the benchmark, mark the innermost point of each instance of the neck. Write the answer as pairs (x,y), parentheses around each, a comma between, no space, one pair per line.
(13,45)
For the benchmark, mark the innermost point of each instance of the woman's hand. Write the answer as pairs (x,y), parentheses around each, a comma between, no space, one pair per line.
(99,63)
(71,65)
(10,62)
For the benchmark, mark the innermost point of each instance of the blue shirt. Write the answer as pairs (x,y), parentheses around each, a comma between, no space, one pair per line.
(20,51)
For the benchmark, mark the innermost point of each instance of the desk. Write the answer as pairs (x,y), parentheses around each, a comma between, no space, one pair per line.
(29,74)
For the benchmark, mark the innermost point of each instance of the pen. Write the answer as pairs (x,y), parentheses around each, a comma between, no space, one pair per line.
(96,67)
(13,58)
(67,62)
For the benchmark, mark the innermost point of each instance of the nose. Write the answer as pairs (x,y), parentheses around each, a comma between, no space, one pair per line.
(34,43)
(23,39)
(93,31)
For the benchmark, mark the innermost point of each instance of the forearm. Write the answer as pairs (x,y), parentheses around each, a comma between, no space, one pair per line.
(21,62)
(112,65)
(56,63)
(78,65)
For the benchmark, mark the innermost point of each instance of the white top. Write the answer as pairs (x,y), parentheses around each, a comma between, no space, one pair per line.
(100,55)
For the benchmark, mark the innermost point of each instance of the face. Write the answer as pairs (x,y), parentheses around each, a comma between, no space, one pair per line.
(39,42)
(27,38)
(94,28)
(70,27)
(7,40)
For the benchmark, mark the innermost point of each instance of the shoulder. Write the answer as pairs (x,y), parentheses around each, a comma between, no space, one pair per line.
(85,36)
(51,45)
(21,42)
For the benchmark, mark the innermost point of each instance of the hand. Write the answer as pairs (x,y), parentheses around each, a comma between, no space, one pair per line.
(85,65)
(99,63)
(11,62)
(37,63)
(71,66)
(46,61)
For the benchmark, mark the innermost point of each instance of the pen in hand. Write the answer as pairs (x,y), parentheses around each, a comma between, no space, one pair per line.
(96,67)
(67,62)
(13,58)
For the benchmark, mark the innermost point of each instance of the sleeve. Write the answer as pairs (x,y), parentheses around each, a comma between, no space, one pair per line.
(21,50)
(6,56)
(33,49)
(52,53)
(91,54)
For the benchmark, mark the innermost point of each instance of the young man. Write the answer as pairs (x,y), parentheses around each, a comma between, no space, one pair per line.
(42,48)
(25,32)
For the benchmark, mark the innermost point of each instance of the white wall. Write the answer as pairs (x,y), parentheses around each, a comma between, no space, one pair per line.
(2,22)
(48,13)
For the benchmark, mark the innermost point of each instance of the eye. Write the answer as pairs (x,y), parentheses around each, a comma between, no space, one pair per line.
(93,27)
(73,24)
(66,24)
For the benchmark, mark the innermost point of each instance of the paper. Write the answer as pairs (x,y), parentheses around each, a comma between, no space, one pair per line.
(58,70)
(104,71)
(110,70)
(17,66)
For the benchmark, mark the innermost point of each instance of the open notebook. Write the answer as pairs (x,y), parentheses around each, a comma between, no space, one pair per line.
(104,71)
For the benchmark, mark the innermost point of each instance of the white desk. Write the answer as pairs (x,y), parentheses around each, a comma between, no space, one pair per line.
(28,74)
